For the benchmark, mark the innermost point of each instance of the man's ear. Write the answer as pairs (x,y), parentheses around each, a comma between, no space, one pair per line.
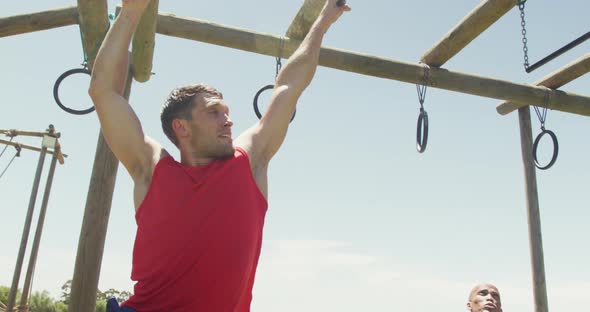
(181,128)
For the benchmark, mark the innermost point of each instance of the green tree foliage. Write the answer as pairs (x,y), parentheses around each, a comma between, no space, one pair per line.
(42,302)
(101,306)
(4,292)
(66,288)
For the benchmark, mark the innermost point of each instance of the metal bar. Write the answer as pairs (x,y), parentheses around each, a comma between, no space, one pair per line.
(534,218)
(26,230)
(556,79)
(38,232)
(559,52)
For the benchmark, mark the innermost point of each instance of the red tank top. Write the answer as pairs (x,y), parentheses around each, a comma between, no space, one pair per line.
(199,233)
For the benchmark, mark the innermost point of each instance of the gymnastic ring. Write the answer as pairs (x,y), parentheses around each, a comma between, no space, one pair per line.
(256,110)
(340,3)
(56,91)
(422,137)
(555,149)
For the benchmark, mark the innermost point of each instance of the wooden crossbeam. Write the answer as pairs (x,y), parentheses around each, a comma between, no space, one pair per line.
(554,80)
(476,22)
(36,149)
(144,42)
(14,132)
(26,23)
(203,31)
(237,38)
(306,16)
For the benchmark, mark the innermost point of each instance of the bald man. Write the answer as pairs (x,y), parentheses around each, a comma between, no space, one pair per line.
(484,298)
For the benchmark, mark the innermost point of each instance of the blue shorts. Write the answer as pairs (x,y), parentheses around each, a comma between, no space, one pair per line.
(113,306)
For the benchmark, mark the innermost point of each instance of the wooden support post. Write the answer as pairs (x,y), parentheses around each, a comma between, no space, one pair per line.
(26,231)
(24,298)
(266,44)
(476,22)
(554,80)
(26,23)
(94,24)
(144,43)
(534,218)
(301,24)
(95,224)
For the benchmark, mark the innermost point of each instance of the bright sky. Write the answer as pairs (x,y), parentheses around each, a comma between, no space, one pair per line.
(358,220)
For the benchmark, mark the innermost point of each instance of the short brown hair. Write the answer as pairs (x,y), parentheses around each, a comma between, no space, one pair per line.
(179,105)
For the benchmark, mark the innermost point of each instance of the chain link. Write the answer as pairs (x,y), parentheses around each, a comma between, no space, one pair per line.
(421,88)
(542,114)
(525,49)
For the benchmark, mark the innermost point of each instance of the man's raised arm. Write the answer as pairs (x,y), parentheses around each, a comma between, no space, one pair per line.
(120,126)
(264,139)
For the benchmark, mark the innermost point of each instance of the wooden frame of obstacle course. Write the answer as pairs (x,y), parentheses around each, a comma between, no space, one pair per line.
(92,18)
(50,145)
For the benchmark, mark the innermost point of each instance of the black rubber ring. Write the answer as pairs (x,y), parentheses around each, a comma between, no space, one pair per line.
(256,110)
(422,136)
(555,149)
(56,91)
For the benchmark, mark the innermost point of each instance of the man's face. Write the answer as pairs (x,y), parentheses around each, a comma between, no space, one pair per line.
(211,127)
(484,298)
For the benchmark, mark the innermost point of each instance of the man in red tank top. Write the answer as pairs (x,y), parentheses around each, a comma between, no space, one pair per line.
(200,218)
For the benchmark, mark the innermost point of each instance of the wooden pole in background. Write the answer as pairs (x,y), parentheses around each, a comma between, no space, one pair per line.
(534,218)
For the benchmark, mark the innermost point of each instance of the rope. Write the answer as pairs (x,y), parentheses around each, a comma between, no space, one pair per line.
(18,149)
(5,147)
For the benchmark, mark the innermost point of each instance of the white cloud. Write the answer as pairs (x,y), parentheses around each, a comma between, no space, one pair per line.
(331,276)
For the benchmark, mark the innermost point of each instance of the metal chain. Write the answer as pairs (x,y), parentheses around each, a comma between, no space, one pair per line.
(421,89)
(543,115)
(525,49)
(5,147)
(17,154)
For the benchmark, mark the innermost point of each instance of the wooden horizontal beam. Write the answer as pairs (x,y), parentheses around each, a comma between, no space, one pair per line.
(476,22)
(26,23)
(144,41)
(36,149)
(14,132)
(554,80)
(217,34)
(301,24)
